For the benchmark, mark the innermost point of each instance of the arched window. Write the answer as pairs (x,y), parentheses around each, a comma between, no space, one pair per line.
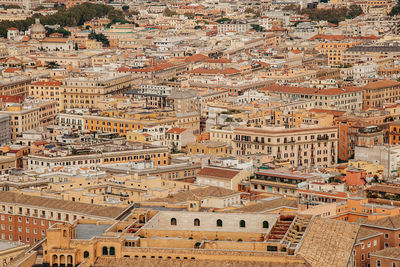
(196,222)
(219,223)
(173,221)
(86,254)
(265,224)
(105,251)
(242,223)
(65,233)
(112,251)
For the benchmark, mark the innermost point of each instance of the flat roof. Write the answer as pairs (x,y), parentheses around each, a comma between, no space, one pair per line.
(88,230)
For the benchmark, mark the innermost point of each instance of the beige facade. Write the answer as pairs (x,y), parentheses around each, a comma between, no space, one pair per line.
(300,147)
(86,92)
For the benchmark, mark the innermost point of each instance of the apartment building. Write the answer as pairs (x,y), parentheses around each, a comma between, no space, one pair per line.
(87,92)
(5,129)
(233,25)
(26,218)
(350,98)
(335,50)
(377,93)
(358,53)
(15,86)
(124,123)
(49,89)
(93,159)
(299,147)
(21,119)
(281,183)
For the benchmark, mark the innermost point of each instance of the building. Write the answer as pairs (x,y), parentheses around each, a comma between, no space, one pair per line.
(47,90)
(179,137)
(385,257)
(299,147)
(15,86)
(26,218)
(234,26)
(100,155)
(30,115)
(154,239)
(349,98)
(85,92)
(222,177)
(275,182)
(378,93)
(5,130)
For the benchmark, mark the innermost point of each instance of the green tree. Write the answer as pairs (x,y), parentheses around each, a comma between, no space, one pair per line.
(125,8)
(74,16)
(76,46)
(257,28)
(100,38)
(52,65)
(221,20)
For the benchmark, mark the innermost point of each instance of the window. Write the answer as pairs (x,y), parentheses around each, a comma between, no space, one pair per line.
(105,251)
(86,254)
(242,223)
(386,236)
(196,222)
(219,223)
(112,251)
(394,264)
(265,224)
(362,257)
(173,221)
(378,263)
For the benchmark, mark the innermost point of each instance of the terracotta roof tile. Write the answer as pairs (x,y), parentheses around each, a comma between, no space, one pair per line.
(218,172)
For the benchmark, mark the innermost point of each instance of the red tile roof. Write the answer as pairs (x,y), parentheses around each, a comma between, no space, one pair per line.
(47,83)
(214,71)
(176,130)
(218,172)
(335,113)
(195,58)
(11,98)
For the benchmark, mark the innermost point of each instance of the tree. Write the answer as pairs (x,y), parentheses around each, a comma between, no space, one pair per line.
(221,20)
(354,11)
(189,15)
(76,46)
(169,13)
(125,8)
(52,65)
(99,38)
(74,16)
(257,28)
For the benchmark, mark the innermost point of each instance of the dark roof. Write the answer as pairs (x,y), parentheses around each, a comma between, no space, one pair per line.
(374,49)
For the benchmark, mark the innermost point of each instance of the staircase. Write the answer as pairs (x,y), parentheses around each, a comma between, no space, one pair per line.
(296,231)
(280,228)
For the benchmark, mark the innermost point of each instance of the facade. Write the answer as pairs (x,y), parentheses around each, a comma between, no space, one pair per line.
(15,86)
(158,155)
(26,218)
(85,93)
(333,98)
(299,147)
(381,92)
(47,90)
(5,130)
